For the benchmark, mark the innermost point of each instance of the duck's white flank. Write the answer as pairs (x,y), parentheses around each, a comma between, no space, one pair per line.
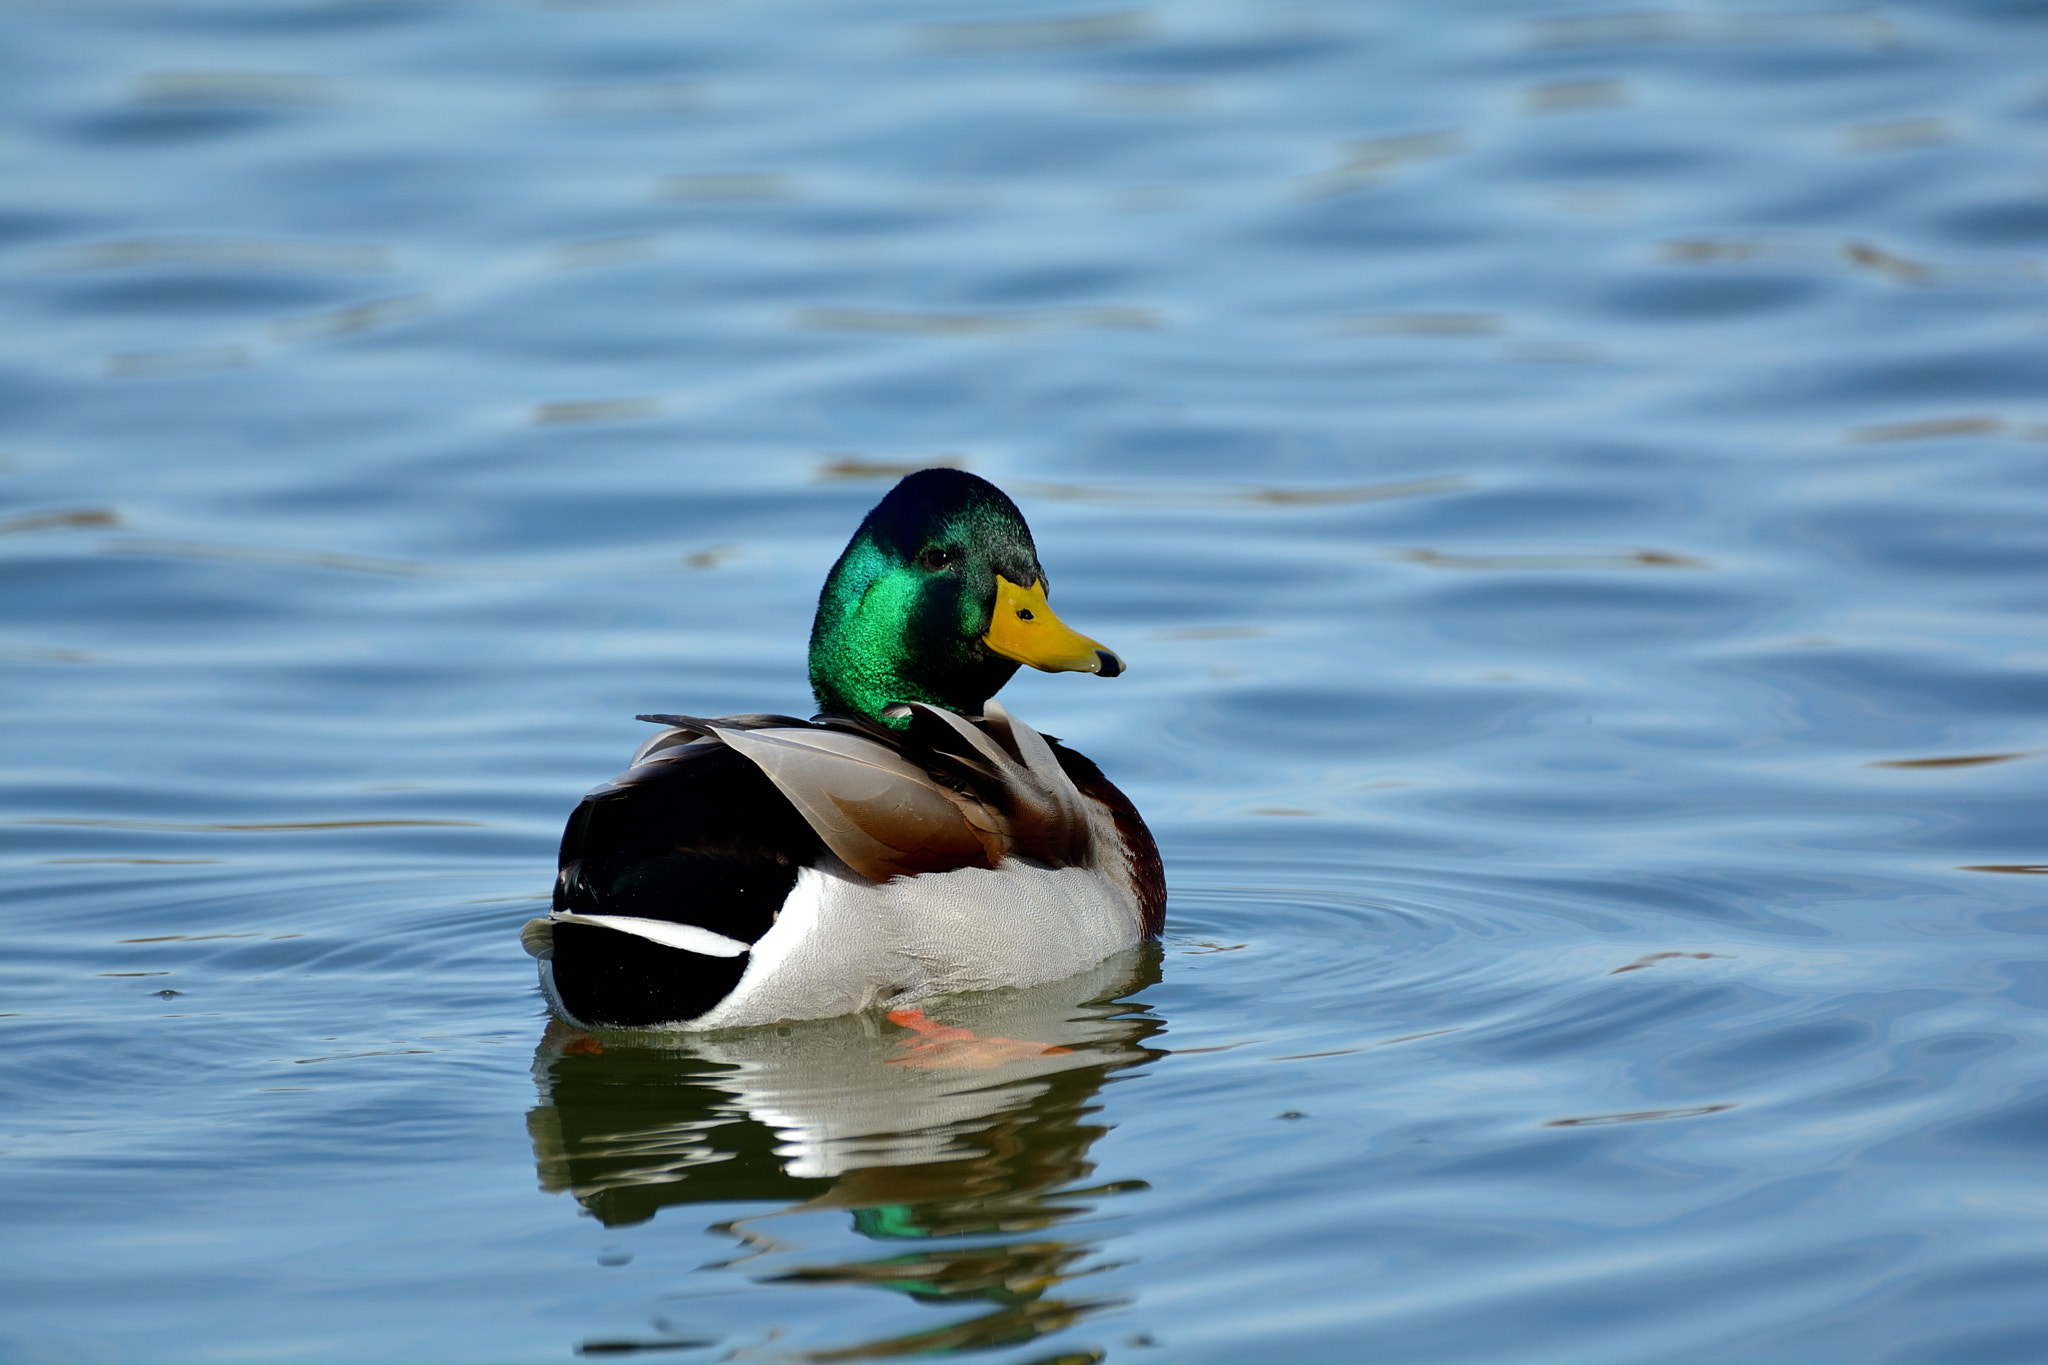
(843,943)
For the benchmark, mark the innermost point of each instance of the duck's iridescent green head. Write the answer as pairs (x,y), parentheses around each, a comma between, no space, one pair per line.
(938,597)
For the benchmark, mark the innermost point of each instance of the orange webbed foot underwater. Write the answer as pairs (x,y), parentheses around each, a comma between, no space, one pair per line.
(942,1045)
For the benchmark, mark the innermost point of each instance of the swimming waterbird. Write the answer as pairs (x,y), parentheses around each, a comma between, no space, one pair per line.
(911,840)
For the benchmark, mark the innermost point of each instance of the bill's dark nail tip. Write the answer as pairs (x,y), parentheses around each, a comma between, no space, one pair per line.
(1108,664)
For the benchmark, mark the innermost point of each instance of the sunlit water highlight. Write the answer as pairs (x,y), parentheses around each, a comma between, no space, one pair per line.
(1568,487)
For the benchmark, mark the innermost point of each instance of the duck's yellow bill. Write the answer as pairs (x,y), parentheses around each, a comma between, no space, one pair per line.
(1023,628)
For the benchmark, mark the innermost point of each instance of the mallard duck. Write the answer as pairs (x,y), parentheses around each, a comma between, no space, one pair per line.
(913,839)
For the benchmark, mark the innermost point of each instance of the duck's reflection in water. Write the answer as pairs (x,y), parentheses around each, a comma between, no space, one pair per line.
(963,1121)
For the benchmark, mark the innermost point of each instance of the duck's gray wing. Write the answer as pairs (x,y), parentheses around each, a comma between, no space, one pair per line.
(1042,806)
(880,813)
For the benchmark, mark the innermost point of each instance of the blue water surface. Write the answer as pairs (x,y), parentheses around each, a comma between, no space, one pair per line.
(1569,486)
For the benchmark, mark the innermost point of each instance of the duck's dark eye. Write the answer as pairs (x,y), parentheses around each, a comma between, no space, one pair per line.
(935,558)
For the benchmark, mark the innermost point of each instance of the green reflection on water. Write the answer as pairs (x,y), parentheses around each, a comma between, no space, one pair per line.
(921,1134)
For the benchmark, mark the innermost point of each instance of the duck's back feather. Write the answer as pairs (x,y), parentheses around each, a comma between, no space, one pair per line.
(882,815)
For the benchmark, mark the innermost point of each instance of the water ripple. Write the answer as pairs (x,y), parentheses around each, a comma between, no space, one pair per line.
(1567,485)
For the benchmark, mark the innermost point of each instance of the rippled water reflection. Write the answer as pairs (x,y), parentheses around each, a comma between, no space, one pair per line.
(1567,485)
(936,1138)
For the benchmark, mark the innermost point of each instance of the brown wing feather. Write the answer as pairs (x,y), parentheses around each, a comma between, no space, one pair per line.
(1044,808)
(1148,873)
(880,813)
